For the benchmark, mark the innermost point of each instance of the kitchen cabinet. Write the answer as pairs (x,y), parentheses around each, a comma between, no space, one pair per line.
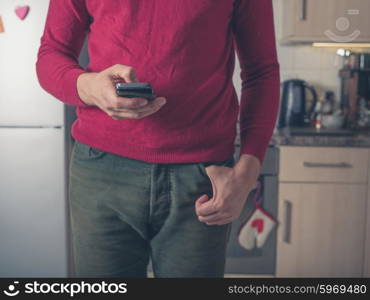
(322,231)
(322,212)
(367,239)
(323,164)
(325,21)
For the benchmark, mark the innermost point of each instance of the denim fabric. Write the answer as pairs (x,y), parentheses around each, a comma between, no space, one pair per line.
(124,211)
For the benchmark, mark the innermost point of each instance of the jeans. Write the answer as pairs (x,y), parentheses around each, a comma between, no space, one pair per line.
(125,211)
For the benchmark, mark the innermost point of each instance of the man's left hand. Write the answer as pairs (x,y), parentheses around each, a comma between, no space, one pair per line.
(231,187)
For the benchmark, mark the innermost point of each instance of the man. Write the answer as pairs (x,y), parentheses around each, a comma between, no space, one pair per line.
(157,178)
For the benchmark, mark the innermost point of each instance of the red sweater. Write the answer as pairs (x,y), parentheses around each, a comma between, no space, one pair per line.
(186,50)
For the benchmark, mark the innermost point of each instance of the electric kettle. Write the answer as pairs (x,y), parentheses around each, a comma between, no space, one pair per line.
(293,105)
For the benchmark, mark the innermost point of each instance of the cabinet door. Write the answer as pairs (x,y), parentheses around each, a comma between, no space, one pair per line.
(326,21)
(367,239)
(349,21)
(310,18)
(322,230)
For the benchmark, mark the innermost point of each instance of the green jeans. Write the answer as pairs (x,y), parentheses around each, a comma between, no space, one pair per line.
(125,211)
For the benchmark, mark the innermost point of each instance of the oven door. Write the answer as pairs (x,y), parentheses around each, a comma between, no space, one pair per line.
(259,261)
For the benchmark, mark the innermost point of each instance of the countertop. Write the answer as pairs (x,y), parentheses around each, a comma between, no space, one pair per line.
(329,138)
(322,138)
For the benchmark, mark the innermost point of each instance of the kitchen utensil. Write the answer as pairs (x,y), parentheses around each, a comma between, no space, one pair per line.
(294,102)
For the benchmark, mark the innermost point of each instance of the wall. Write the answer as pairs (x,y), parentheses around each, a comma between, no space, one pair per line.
(318,66)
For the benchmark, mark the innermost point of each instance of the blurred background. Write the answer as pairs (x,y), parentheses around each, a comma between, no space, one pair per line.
(313,216)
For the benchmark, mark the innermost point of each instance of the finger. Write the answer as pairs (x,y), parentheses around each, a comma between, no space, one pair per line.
(139,110)
(221,222)
(118,118)
(202,199)
(135,114)
(207,208)
(111,114)
(216,217)
(210,218)
(133,103)
(126,106)
(115,103)
(127,73)
(159,101)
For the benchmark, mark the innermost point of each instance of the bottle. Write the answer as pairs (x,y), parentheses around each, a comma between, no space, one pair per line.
(318,115)
(362,119)
(328,105)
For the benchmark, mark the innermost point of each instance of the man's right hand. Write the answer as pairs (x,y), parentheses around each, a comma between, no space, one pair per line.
(98,89)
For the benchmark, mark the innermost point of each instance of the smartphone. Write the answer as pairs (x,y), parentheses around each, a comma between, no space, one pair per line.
(135,90)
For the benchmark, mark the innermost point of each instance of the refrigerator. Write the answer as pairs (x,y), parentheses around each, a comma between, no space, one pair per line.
(35,144)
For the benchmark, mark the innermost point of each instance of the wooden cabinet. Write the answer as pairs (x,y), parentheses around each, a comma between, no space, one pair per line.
(367,239)
(323,218)
(325,21)
(322,230)
(318,164)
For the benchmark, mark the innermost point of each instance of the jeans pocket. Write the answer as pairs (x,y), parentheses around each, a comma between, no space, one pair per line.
(86,152)
(230,162)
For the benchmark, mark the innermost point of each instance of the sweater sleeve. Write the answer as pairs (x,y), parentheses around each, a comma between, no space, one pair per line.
(254,39)
(57,64)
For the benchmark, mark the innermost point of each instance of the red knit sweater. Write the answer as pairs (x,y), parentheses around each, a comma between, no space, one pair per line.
(186,50)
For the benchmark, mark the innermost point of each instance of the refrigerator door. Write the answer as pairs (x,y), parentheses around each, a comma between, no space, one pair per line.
(22,101)
(33,214)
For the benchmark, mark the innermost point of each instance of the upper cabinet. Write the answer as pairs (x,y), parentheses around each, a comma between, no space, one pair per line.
(325,21)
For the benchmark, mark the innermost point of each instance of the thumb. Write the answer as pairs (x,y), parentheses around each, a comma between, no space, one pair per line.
(204,198)
(127,73)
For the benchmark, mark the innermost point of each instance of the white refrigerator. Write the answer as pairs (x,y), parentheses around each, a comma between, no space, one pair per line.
(34,149)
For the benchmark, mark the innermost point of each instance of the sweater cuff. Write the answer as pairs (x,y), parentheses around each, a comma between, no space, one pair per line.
(70,93)
(255,144)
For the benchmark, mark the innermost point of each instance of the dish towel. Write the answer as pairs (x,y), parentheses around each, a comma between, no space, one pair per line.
(256,229)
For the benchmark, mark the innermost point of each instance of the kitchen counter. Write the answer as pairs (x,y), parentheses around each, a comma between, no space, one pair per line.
(332,139)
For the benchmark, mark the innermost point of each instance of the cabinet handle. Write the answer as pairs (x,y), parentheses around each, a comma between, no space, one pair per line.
(341,165)
(288,221)
(303,10)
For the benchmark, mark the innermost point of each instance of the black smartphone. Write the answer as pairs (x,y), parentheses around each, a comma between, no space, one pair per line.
(135,90)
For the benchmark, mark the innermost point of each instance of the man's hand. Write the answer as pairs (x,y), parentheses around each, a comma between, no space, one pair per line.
(231,187)
(98,89)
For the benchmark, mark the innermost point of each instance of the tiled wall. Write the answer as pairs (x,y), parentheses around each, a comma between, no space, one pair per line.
(318,66)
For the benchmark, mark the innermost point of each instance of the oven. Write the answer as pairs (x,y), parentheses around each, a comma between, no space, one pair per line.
(259,261)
